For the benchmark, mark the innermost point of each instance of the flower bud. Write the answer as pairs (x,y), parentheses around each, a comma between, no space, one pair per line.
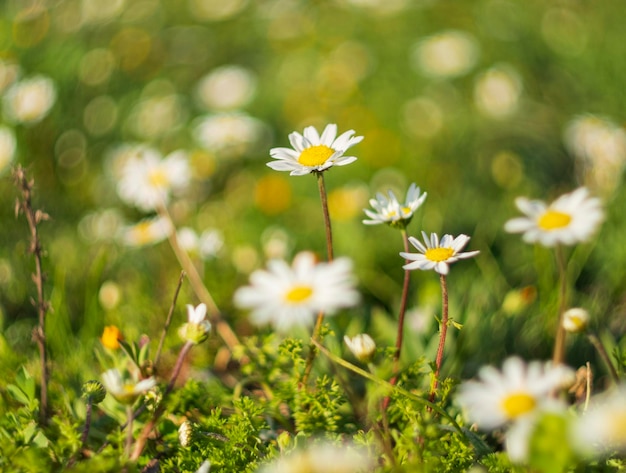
(575,320)
(362,346)
(94,391)
(185,434)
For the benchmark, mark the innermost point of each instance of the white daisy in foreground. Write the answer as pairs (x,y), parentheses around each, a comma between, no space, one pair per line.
(602,428)
(570,219)
(313,152)
(362,346)
(124,388)
(147,180)
(286,296)
(147,232)
(436,254)
(389,210)
(197,328)
(323,458)
(518,391)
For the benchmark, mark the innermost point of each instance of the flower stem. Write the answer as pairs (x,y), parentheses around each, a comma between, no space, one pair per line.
(593,338)
(559,341)
(129,430)
(222,328)
(168,320)
(443,330)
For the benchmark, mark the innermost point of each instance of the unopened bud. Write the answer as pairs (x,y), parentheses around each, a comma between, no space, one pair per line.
(94,391)
(185,434)
(362,346)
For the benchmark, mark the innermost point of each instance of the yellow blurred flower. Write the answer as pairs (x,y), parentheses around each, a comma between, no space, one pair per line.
(111,337)
(272,194)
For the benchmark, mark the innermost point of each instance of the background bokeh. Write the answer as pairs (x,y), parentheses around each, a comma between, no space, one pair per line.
(477,102)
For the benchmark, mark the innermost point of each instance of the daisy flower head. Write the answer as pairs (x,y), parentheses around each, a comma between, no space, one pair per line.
(286,296)
(197,328)
(518,391)
(437,254)
(388,210)
(125,388)
(147,232)
(570,219)
(147,180)
(313,152)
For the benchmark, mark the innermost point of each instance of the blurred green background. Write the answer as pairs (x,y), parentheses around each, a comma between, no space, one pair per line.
(477,102)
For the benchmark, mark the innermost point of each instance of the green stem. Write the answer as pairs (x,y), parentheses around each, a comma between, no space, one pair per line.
(168,320)
(327,225)
(559,342)
(593,338)
(443,330)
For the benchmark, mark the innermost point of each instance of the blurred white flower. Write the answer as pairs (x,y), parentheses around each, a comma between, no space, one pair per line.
(497,91)
(601,429)
(389,210)
(147,232)
(313,152)
(9,72)
(125,388)
(436,254)
(285,296)
(599,146)
(205,467)
(229,134)
(8,145)
(206,246)
(518,391)
(197,328)
(362,346)
(570,219)
(575,320)
(29,100)
(323,458)
(156,116)
(226,88)
(446,54)
(147,180)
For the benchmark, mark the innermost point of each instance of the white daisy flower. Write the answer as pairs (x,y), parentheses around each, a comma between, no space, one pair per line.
(436,254)
(313,152)
(147,180)
(197,328)
(285,296)
(147,232)
(601,430)
(570,219)
(29,100)
(518,391)
(124,388)
(362,346)
(389,210)
(575,320)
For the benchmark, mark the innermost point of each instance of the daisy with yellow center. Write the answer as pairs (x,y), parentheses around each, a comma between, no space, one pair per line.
(437,254)
(518,391)
(147,232)
(388,210)
(147,180)
(124,387)
(570,219)
(312,152)
(286,296)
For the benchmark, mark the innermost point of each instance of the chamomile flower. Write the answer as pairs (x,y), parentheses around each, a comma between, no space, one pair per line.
(437,254)
(313,152)
(518,391)
(389,210)
(147,180)
(147,232)
(286,296)
(575,320)
(570,219)
(125,388)
(362,346)
(197,328)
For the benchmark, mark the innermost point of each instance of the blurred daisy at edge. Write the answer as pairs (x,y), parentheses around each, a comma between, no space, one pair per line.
(8,145)
(286,296)
(147,232)
(124,387)
(313,152)
(518,391)
(147,179)
(228,134)
(389,210)
(570,219)
(29,100)
(437,254)
(206,245)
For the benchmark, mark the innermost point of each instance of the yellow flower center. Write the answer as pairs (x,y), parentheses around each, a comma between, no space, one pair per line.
(617,427)
(552,220)
(518,404)
(315,155)
(143,233)
(439,254)
(158,178)
(298,294)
